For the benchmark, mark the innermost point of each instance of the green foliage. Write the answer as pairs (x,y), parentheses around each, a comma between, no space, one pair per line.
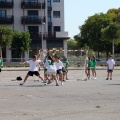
(112,32)
(72,44)
(5,36)
(21,42)
(99,30)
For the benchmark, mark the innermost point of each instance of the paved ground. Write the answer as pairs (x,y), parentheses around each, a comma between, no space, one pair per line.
(75,100)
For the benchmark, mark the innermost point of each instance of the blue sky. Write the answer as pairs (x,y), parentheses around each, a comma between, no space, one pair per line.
(77,11)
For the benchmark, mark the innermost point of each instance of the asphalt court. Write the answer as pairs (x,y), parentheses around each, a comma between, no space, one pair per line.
(75,100)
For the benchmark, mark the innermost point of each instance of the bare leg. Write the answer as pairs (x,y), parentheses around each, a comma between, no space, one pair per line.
(111,75)
(41,77)
(61,76)
(67,76)
(24,79)
(108,75)
(54,77)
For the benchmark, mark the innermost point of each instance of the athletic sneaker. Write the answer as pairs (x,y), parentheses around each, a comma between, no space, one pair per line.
(95,78)
(45,83)
(107,78)
(61,83)
(110,78)
(49,82)
(89,78)
(57,84)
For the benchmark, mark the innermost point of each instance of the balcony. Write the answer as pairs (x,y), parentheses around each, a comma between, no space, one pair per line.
(63,35)
(26,4)
(6,4)
(7,20)
(33,20)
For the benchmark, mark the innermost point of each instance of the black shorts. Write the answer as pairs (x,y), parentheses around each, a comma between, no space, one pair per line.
(31,73)
(0,70)
(110,70)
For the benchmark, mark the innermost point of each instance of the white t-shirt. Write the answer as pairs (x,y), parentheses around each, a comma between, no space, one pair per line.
(110,63)
(50,66)
(33,65)
(59,65)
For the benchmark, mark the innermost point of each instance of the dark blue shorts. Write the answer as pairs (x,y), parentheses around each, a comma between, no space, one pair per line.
(110,70)
(59,71)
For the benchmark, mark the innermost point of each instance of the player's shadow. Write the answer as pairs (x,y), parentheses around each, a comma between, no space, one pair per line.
(39,85)
(35,86)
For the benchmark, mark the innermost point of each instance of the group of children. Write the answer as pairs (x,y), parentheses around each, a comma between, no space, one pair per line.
(54,68)
(90,65)
(57,69)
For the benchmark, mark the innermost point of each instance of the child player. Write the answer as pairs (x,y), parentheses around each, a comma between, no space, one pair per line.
(110,65)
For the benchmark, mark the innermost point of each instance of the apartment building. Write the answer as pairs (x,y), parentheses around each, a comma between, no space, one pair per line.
(44,19)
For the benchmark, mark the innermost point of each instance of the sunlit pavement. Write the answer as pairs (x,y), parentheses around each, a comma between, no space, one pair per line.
(75,100)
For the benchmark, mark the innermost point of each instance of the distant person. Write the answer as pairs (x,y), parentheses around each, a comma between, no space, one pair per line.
(89,67)
(93,67)
(1,63)
(86,66)
(51,70)
(59,65)
(110,66)
(33,68)
(65,68)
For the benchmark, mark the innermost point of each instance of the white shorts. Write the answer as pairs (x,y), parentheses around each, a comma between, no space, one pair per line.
(50,73)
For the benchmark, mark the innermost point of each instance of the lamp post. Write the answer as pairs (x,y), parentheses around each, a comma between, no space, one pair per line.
(42,34)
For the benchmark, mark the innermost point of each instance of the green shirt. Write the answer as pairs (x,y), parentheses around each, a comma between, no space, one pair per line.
(1,63)
(89,63)
(65,63)
(93,64)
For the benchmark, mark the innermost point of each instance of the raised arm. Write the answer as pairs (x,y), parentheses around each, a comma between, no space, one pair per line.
(23,63)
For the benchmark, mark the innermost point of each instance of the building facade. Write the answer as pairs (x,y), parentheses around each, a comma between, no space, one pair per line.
(44,19)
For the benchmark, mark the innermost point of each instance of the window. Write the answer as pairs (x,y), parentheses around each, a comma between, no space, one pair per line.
(49,3)
(2,0)
(56,14)
(56,0)
(2,13)
(33,14)
(56,28)
(33,29)
(32,1)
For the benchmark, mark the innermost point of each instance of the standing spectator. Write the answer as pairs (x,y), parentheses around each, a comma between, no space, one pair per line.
(86,66)
(89,67)
(1,63)
(110,65)
(93,67)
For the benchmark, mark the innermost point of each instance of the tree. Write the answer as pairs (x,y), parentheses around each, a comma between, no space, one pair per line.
(72,44)
(6,35)
(112,34)
(21,42)
(90,32)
